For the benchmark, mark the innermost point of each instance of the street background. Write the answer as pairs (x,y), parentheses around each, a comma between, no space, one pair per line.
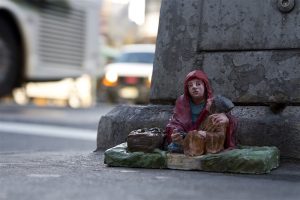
(47,145)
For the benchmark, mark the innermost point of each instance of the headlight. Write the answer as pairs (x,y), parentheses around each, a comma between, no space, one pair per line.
(110,79)
(150,78)
(111,76)
(149,81)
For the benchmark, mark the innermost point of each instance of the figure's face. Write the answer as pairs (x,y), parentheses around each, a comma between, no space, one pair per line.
(196,89)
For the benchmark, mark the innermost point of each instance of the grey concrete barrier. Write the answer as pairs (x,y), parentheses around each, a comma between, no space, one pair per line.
(258,126)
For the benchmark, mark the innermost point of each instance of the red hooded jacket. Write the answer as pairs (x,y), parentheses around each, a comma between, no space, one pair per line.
(182,118)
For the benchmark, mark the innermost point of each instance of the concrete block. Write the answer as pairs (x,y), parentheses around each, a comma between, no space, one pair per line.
(244,77)
(258,126)
(255,77)
(176,48)
(250,55)
(246,25)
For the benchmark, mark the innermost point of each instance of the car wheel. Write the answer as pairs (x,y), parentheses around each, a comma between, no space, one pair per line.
(112,97)
(10,57)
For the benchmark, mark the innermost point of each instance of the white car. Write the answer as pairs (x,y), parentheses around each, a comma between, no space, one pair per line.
(129,76)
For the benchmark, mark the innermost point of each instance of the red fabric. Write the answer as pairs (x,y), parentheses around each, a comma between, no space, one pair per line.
(182,118)
(230,130)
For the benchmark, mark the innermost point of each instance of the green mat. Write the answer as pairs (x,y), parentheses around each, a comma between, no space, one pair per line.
(119,157)
(252,160)
(249,160)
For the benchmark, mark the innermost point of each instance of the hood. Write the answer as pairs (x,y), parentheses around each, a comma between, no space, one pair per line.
(130,69)
(198,74)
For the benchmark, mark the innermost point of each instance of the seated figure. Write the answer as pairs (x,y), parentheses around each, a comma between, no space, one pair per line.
(198,125)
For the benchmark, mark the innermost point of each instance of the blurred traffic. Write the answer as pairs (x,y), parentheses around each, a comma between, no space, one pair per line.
(129,76)
(77,53)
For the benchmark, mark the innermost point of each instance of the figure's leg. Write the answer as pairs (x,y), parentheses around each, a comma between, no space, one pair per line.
(215,136)
(215,142)
(210,143)
(194,144)
(221,140)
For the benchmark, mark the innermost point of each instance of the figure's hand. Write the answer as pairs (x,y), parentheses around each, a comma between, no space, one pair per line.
(202,133)
(177,138)
(219,119)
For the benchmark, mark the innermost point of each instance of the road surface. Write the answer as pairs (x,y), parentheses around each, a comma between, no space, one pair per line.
(47,153)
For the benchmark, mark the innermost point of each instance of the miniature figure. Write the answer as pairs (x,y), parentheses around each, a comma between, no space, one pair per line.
(196,126)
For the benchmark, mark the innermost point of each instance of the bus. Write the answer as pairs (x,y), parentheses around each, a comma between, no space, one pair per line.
(47,40)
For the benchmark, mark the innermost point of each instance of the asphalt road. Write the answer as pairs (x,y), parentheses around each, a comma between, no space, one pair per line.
(47,153)
(36,129)
(80,118)
(11,142)
(82,175)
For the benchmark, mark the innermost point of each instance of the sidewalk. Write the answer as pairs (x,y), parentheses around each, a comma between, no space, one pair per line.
(82,175)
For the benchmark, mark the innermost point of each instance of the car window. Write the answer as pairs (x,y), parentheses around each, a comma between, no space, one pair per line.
(140,57)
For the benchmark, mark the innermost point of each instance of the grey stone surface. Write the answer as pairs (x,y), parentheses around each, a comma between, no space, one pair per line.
(176,48)
(258,126)
(244,25)
(255,77)
(248,53)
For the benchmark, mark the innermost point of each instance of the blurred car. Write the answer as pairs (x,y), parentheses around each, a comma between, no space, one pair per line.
(129,76)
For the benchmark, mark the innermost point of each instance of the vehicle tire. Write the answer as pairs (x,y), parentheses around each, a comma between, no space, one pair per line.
(10,58)
(112,97)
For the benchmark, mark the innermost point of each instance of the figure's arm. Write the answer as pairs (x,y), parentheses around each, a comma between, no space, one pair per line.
(230,123)
(175,126)
(174,130)
(177,137)
(223,106)
(219,119)
(214,130)
(215,122)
